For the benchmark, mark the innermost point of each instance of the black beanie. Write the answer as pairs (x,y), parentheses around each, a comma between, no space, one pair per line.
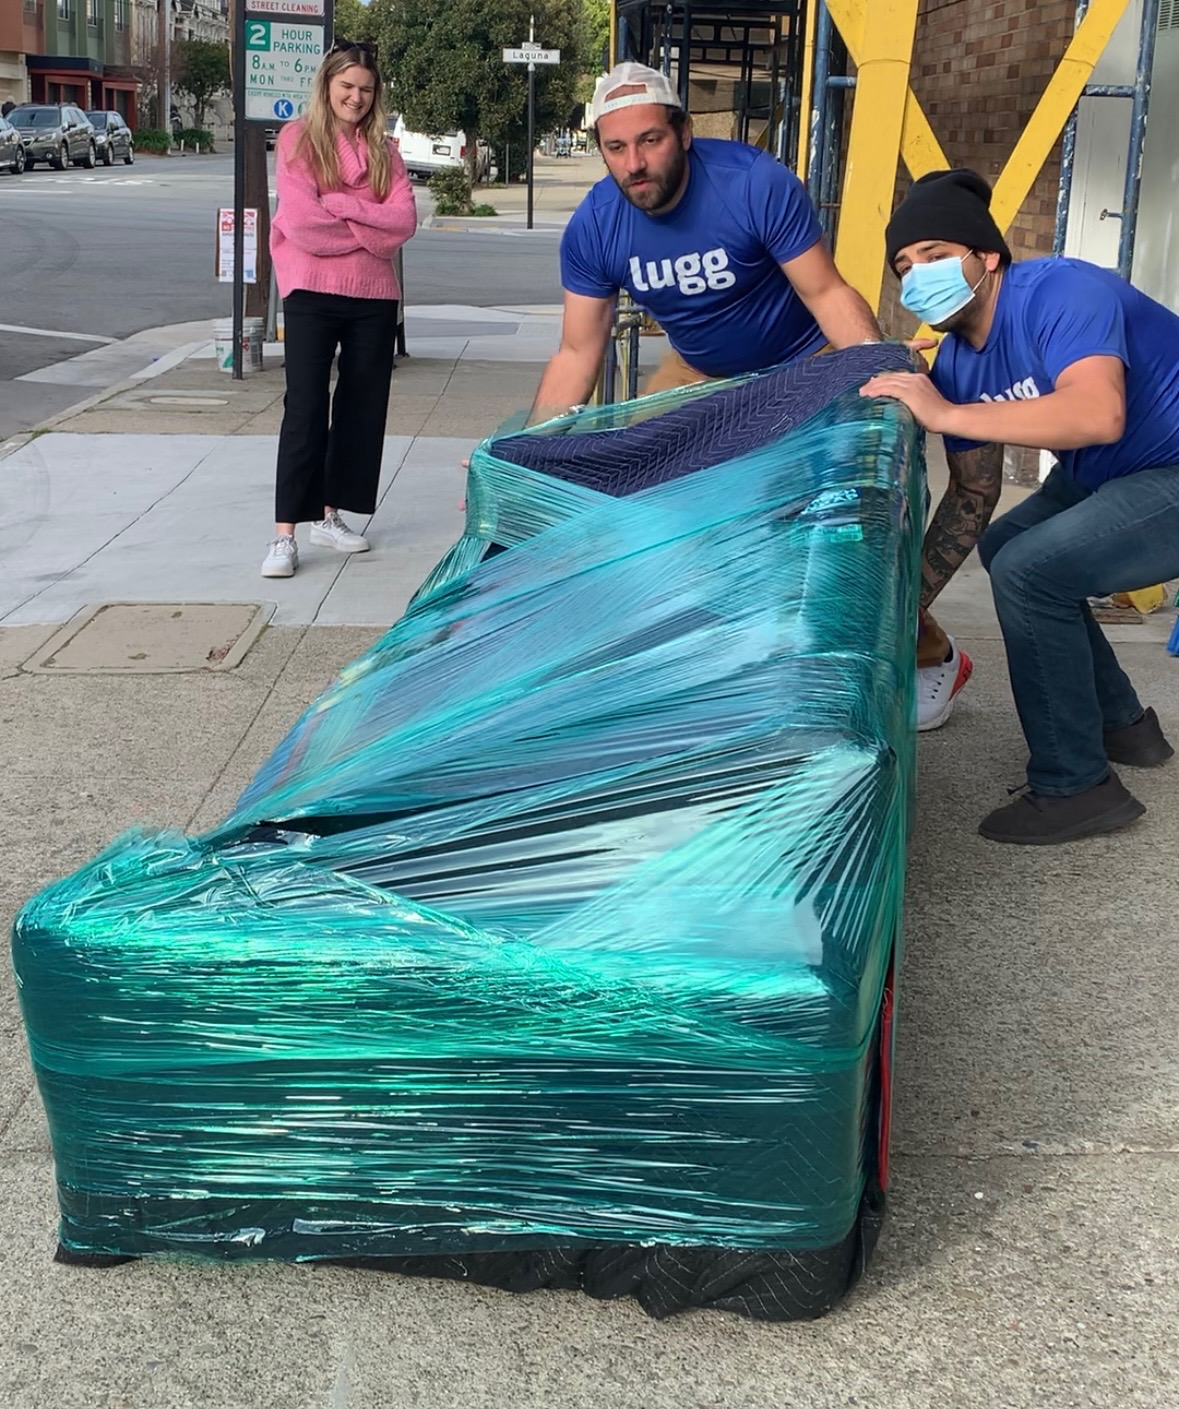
(946,205)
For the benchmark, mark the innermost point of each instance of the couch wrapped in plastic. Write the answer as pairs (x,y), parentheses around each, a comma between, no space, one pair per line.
(554,945)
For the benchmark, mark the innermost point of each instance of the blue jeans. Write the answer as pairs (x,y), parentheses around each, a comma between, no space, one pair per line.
(1062,545)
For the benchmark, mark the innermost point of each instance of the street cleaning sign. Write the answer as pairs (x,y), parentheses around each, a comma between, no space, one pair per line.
(312,9)
(281,60)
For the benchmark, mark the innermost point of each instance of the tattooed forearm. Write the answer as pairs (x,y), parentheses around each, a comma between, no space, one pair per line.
(976,479)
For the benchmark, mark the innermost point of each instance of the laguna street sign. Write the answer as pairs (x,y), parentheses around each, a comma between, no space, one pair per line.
(528,55)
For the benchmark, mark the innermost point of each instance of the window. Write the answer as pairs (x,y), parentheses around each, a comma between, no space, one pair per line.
(93,13)
(63,9)
(120,14)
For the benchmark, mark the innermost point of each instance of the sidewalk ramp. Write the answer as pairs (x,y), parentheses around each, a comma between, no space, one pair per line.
(554,947)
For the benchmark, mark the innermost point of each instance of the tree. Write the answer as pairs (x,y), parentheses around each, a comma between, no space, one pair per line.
(596,19)
(352,20)
(444,62)
(202,71)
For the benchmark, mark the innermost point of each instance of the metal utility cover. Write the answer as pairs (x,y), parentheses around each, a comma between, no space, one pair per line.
(138,638)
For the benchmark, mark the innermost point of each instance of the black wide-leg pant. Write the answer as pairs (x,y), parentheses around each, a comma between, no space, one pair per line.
(340,465)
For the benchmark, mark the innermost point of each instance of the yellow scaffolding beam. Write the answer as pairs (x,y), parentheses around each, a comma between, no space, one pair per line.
(878,116)
(807,94)
(1058,100)
(920,149)
(860,22)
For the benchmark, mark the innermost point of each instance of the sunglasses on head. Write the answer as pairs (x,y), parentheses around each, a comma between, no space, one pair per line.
(344,45)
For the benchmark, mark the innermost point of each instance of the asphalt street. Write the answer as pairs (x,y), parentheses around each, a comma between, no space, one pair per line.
(89,257)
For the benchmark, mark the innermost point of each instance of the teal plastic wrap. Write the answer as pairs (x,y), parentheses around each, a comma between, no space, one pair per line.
(565,915)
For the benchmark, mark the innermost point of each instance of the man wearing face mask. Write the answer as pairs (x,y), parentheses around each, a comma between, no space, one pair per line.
(1053,354)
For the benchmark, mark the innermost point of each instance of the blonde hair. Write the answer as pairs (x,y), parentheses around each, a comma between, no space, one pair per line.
(317,140)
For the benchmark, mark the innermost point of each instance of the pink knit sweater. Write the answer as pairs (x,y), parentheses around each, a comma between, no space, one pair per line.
(338,242)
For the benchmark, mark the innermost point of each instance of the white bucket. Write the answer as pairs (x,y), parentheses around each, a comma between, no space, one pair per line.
(252,335)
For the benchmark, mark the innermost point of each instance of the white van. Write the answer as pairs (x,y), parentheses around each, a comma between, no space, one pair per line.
(424,155)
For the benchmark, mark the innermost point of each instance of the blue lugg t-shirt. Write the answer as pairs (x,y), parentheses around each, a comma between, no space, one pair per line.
(1051,313)
(709,272)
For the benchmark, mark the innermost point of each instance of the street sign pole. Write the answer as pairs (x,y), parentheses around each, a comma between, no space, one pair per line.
(531,114)
(239,184)
(272,84)
(531,54)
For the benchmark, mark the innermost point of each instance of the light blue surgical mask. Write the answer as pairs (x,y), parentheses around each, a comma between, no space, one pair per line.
(935,292)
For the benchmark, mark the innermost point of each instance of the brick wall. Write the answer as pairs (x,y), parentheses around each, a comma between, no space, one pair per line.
(979,68)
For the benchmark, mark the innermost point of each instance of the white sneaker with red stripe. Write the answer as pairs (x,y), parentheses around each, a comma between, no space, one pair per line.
(938,687)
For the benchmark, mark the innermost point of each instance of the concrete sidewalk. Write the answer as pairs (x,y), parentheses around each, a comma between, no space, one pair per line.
(1029,1257)
(558,189)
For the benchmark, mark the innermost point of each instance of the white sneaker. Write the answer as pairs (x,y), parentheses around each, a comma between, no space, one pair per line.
(333,532)
(282,559)
(938,687)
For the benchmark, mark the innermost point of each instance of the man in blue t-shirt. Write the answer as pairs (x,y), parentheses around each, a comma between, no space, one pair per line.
(1058,355)
(715,240)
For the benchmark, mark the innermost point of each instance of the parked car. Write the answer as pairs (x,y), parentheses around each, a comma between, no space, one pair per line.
(57,133)
(113,137)
(425,155)
(12,149)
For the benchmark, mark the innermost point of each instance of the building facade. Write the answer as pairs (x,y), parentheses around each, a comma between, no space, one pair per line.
(100,54)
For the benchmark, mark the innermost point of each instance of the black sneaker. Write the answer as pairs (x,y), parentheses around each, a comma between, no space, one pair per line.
(1139,745)
(1032,820)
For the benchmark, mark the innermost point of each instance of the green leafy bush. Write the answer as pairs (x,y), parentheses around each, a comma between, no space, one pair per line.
(451,189)
(151,139)
(484,210)
(196,137)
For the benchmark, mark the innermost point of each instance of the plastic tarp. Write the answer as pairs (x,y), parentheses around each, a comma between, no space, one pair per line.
(562,923)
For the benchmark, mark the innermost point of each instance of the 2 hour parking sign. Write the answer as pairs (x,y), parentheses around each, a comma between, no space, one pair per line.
(281,60)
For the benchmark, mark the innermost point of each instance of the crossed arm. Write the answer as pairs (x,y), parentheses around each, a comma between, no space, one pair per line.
(302,216)
(341,222)
(381,227)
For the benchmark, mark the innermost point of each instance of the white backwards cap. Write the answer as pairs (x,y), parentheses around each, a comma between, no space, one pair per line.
(653,86)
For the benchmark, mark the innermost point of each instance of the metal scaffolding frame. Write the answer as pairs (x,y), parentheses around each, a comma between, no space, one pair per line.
(753,44)
(1139,94)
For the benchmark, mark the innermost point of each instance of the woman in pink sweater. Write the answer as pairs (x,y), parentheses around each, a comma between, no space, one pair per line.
(345,207)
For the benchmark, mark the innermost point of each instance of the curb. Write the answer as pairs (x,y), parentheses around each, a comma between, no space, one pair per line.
(22,438)
(157,364)
(493,225)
